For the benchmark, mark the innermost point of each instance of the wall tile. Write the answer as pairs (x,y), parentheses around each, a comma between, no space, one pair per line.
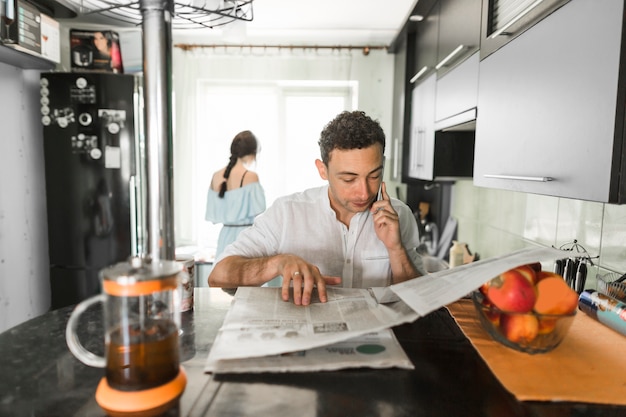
(613,245)
(540,219)
(494,222)
(580,220)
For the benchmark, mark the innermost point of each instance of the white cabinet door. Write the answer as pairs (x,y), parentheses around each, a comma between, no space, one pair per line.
(422,135)
(457,94)
(547,105)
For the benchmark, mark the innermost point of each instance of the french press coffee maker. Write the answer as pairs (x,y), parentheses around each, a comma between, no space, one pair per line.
(141,307)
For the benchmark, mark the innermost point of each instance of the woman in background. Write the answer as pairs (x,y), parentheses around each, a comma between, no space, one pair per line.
(236,196)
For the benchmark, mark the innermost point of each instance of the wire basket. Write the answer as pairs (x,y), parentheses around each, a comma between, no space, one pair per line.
(608,286)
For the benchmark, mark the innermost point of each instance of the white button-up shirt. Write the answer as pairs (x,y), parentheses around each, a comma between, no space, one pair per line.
(305,225)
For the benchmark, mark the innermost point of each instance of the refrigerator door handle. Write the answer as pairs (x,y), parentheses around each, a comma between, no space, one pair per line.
(134,240)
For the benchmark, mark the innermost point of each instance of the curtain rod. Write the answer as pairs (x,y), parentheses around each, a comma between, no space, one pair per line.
(366,49)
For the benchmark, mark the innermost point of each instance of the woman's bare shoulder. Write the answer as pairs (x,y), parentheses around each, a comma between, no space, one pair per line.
(217,179)
(250,177)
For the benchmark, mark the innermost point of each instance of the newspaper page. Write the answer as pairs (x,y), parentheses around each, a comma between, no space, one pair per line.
(371,350)
(260,323)
(428,293)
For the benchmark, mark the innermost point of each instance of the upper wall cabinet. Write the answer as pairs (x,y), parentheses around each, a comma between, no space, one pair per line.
(424,53)
(457,95)
(445,81)
(504,20)
(459,32)
(552,107)
(448,34)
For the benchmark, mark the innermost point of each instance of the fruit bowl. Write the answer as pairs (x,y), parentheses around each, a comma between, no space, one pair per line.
(525,332)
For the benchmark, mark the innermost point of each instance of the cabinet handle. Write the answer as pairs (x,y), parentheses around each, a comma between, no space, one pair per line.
(515,19)
(518,178)
(414,149)
(419,74)
(450,56)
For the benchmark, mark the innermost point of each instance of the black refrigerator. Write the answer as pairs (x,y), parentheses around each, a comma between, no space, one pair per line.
(93,188)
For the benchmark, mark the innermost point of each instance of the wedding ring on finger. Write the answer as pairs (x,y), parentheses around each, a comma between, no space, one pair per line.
(296,273)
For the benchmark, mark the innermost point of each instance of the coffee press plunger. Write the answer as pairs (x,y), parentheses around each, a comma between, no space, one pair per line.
(141,305)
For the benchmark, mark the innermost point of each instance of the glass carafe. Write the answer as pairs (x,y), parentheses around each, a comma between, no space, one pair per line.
(141,309)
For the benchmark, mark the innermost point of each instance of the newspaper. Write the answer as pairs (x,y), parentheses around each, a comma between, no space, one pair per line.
(259,324)
(372,350)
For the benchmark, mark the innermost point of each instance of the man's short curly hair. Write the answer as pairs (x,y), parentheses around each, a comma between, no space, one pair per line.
(350,130)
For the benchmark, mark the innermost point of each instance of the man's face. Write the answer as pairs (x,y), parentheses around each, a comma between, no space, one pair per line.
(354,177)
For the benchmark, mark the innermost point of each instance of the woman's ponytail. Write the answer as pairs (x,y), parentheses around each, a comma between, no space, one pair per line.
(243,144)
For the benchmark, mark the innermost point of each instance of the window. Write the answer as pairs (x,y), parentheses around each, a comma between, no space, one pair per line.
(286,117)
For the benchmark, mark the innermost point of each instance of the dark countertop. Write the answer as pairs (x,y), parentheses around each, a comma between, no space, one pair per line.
(40,377)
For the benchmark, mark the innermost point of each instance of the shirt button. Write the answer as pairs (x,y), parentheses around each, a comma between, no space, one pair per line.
(347,261)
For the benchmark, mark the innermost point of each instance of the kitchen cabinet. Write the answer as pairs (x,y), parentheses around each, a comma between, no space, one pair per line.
(424,53)
(448,35)
(445,93)
(457,95)
(422,131)
(459,32)
(399,123)
(504,20)
(552,104)
(441,155)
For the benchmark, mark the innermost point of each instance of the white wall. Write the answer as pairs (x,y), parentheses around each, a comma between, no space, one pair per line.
(24,265)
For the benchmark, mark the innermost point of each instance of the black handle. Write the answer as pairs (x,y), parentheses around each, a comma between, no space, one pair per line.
(558,266)
(581,277)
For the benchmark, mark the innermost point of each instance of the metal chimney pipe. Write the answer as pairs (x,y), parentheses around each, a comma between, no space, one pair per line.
(157,65)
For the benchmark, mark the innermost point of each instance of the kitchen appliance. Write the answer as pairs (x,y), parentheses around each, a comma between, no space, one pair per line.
(92,182)
(82,56)
(141,304)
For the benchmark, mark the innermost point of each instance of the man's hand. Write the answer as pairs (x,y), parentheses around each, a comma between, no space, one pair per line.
(387,227)
(303,277)
(386,221)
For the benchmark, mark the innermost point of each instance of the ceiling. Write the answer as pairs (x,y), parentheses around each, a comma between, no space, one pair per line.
(316,22)
(290,22)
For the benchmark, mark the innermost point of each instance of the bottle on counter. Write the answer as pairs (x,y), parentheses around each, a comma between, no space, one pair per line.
(456,253)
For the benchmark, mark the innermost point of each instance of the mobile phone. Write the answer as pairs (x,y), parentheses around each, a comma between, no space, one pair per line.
(380,187)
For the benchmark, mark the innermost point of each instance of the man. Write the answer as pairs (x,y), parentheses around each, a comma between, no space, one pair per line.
(338,234)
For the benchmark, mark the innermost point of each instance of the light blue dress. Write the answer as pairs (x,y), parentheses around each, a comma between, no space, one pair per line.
(236,211)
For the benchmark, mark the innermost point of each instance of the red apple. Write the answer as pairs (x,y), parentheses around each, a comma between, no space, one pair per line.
(528,272)
(513,292)
(519,328)
(484,288)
